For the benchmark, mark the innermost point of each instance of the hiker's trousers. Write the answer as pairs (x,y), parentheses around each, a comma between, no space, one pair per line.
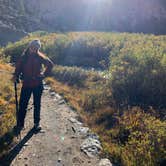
(23,103)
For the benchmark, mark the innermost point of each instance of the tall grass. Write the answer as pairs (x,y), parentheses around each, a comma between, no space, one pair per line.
(7,104)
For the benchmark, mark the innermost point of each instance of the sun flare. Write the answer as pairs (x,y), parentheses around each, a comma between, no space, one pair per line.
(97,1)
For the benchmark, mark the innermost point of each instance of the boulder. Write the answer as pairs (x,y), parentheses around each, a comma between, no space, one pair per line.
(91,147)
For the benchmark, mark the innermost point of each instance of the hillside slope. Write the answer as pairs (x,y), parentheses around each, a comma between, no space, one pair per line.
(20,16)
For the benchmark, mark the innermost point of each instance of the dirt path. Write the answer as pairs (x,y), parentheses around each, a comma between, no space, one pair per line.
(58,143)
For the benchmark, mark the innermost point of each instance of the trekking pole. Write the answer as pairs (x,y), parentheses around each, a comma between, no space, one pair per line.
(16,101)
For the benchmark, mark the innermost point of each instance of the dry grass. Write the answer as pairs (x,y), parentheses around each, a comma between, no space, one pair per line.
(6,67)
(7,103)
(69,93)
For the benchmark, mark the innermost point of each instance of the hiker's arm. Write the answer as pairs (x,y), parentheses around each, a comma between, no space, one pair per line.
(49,65)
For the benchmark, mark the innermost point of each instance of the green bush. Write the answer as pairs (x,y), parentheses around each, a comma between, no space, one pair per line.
(70,75)
(138,73)
(96,97)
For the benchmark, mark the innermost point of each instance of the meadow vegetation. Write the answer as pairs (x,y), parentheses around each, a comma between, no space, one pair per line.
(124,102)
(7,103)
(130,135)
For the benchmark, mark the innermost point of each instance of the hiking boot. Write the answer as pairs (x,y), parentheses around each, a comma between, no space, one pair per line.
(36,128)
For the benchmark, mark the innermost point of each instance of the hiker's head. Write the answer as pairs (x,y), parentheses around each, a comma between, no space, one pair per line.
(34,46)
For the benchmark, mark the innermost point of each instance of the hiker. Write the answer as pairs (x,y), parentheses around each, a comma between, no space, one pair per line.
(29,69)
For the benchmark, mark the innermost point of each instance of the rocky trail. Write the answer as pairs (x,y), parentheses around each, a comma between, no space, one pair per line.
(63,140)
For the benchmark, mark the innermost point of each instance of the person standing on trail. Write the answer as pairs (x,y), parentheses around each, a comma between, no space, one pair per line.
(29,69)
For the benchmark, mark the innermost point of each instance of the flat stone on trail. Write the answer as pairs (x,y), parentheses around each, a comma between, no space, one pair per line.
(47,87)
(75,121)
(81,130)
(58,96)
(61,102)
(105,162)
(53,94)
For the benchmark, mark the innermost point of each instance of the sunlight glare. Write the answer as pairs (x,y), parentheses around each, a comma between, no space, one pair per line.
(98,2)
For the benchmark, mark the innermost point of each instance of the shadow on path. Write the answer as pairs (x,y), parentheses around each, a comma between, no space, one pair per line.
(15,151)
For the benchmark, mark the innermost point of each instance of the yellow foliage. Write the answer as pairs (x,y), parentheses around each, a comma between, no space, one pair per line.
(6,99)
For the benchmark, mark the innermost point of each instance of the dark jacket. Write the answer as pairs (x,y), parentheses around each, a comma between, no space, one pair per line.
(30,67)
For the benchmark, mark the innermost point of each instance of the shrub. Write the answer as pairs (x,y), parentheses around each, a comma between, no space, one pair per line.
(145,143)
(70,75)
(138,74)
(136,139)
(96,97)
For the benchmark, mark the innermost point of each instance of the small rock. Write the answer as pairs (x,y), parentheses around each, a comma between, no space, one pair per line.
(61,102)
(44,83)
(105,162)
(75,121)
(80,130)
(83,130)
(58,97)
(53,94)
(59,162)
(91,147)
(47,88)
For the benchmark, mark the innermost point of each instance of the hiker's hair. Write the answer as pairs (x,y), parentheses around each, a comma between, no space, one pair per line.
(26,52)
